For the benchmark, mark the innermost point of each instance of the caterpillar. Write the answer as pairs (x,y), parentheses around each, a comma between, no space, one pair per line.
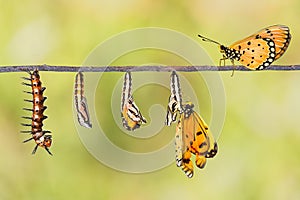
(80,102)
(41,137)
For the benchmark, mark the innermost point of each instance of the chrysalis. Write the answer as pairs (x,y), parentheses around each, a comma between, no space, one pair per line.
(130,113)
(80,102)
(175,101)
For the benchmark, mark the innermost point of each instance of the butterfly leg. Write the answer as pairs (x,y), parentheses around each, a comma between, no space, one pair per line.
(222,59)
(232,62)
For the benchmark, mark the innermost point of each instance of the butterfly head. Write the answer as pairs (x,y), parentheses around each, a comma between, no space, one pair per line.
(223,48)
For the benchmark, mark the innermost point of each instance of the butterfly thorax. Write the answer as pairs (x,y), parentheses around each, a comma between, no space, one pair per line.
(188,109)
(230,53)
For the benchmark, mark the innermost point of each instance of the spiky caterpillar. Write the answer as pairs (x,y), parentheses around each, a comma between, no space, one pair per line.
(41,137)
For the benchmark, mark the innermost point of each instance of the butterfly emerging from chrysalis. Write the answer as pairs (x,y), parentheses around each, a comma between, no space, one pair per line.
(41,137)
(130,113)
(193,137)
(192,134)
(259,50)
(80,102)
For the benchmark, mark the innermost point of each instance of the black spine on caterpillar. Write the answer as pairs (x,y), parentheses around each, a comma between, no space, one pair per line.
(41,137)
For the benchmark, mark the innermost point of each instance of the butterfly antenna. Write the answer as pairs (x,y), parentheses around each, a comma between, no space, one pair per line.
(205,39)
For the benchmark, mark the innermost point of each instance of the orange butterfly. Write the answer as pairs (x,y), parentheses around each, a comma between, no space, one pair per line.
(193,137)
(259,50)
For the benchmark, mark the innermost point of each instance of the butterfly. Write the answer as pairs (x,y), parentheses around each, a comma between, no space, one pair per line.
(175,101)
(130,113)
(259,50)
(193,137)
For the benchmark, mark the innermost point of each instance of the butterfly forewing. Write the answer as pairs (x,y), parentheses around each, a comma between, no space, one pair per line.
(281,36)
(209,147)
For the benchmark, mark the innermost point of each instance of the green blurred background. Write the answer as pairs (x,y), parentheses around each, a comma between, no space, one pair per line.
(260,142)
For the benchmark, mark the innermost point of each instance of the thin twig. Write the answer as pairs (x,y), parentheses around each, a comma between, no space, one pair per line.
(161,68)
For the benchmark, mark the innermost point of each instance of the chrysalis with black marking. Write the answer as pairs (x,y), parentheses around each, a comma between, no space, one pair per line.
(80,102)
(175,101)
(41,137)
(130,113)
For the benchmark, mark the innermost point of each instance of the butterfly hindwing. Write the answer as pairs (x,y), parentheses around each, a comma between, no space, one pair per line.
(256,53)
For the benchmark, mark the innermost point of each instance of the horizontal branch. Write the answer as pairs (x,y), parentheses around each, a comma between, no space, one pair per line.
(139,68)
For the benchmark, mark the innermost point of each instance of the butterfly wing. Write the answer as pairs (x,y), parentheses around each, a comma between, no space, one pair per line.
(255,53)
(281,36)
(200,144)
(193,137)
(277,34)
(207,145)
